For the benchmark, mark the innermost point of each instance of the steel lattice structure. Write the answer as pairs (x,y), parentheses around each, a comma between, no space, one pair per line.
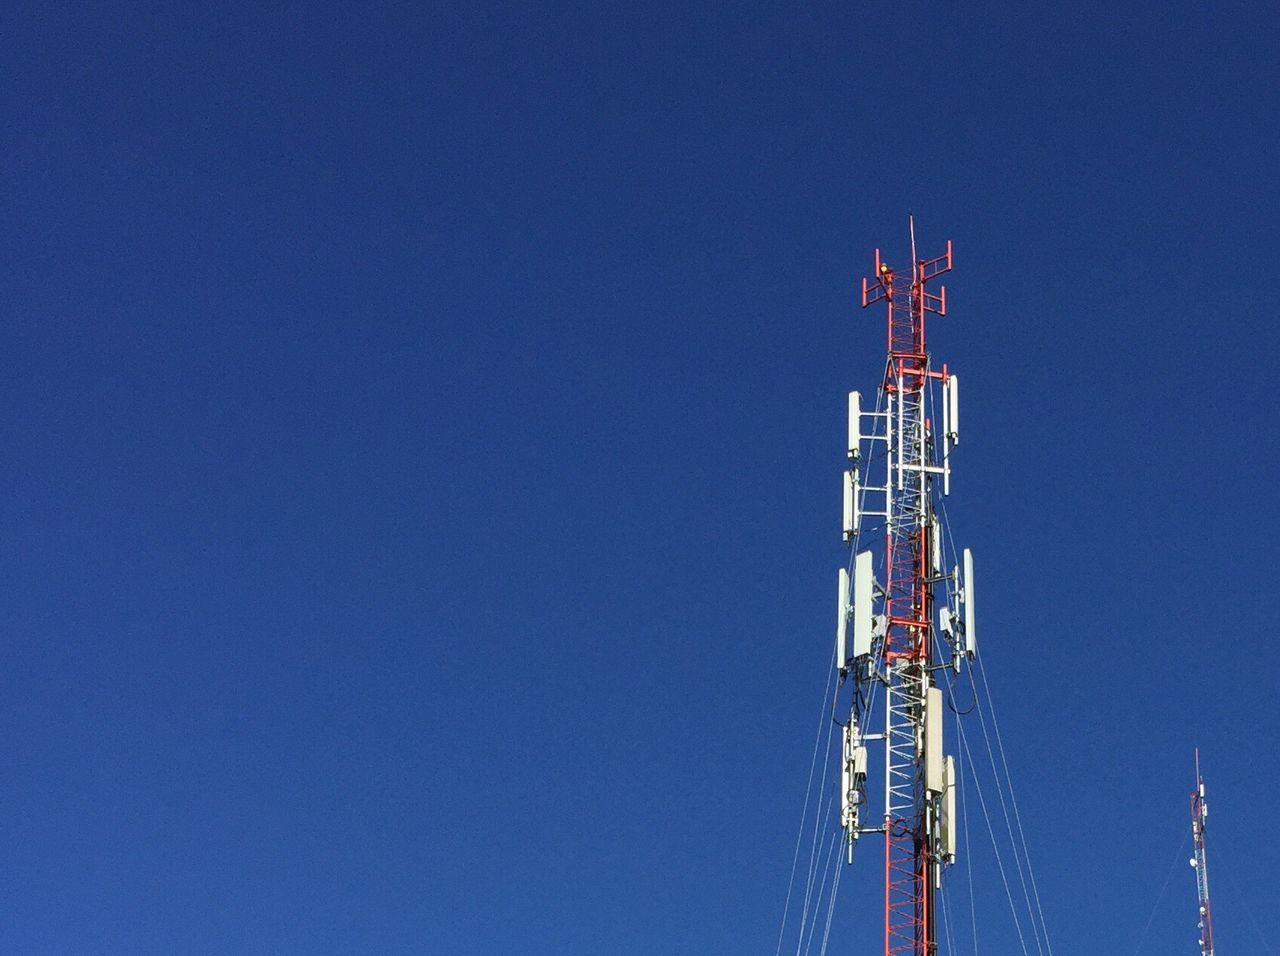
(893,630)
(1199,813)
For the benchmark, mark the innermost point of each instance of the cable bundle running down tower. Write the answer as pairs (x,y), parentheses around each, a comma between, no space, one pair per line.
(885,634)
(1199,813)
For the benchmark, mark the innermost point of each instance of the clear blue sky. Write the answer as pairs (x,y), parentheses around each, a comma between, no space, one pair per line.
(421,447)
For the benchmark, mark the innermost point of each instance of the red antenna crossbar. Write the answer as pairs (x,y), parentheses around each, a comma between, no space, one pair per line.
(927,269)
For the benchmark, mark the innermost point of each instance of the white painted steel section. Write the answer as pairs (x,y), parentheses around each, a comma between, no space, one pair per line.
(901,404)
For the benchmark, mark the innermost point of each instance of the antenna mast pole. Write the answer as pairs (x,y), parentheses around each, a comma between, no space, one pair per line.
(1199,812)
(893,644)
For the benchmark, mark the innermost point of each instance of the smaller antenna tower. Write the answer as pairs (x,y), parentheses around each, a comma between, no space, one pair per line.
(1199,811)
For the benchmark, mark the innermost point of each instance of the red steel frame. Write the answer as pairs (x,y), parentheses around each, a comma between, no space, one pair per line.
(910,925)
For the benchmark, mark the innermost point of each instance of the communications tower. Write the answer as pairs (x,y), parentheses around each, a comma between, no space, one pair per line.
(903,614)
(1199,812)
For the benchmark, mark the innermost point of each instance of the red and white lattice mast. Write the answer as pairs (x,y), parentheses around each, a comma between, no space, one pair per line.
(1199,812)
(902,614)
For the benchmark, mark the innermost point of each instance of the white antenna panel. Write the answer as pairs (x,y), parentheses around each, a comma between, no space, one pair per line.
(946,413)
(863,585)
(946,436)
(953,407)
(933,781)
(857,503)
(935,541)
(944,621)
(855,423)
(850,505)
(846,781)
(949,810)
(842,619)
(970,630)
